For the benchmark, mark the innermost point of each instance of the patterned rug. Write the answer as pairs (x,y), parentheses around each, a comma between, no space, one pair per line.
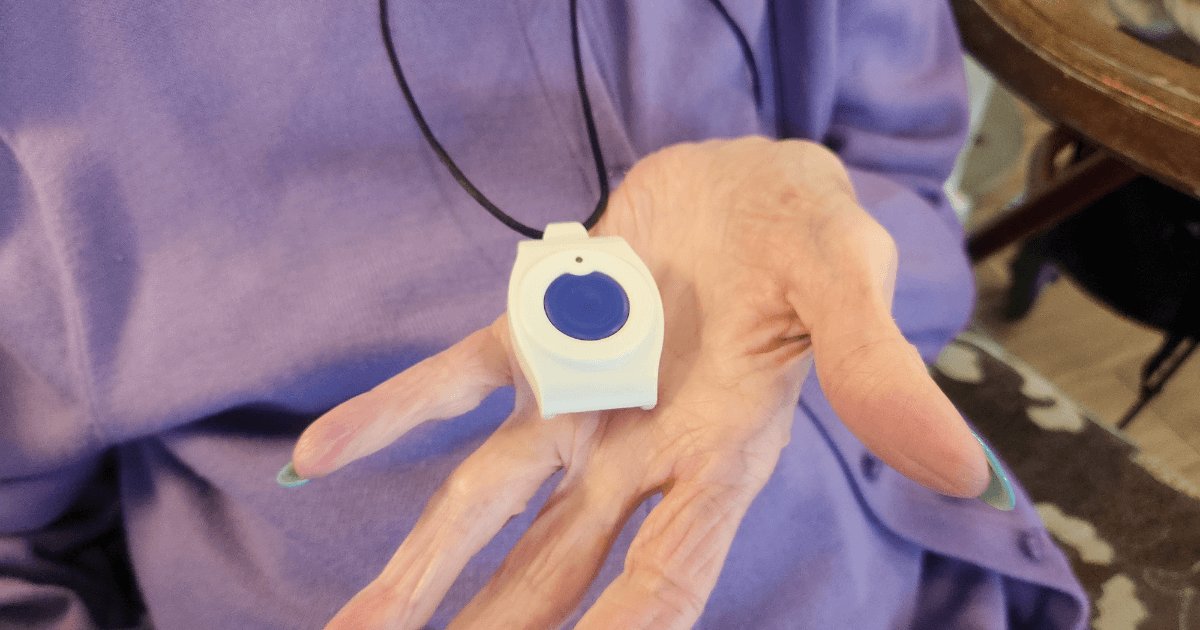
(1130,526)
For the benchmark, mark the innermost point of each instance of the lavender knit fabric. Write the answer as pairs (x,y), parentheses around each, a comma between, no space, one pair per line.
(218,220)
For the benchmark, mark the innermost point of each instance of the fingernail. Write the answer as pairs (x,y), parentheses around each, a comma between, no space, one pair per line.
(999,493)
(288,478)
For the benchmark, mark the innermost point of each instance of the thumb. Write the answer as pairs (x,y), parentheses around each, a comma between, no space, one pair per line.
(880,388)
(876,381)
(445,385)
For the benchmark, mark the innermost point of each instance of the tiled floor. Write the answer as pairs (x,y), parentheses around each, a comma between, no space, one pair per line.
(1087,350)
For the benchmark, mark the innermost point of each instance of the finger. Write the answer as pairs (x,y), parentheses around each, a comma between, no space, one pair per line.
(880,388)
(875,380)
(552,566)
(677,555)
(491,486)
(445,385)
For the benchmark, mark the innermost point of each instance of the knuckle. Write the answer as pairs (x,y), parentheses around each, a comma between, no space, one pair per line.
(876,236)
(864,368)
(461,488)
(859,356)
(812,157)
(670,593)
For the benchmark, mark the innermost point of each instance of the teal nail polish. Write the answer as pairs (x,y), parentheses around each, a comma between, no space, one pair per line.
(288,478)
(999,493)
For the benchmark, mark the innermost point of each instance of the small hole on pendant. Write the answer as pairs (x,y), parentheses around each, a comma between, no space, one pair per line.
(579,259)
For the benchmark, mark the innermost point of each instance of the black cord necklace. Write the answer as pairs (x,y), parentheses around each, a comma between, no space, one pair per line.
(593,137)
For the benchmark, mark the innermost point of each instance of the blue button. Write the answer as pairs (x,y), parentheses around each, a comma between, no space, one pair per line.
(871,466)
(587,307)
(1032,544)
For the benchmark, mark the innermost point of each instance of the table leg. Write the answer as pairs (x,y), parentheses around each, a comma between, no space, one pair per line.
(1068,192)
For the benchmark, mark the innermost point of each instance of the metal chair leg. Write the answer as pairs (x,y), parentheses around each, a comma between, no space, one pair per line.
(1158,370)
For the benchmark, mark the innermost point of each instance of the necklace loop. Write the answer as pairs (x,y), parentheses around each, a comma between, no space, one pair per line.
(459,176)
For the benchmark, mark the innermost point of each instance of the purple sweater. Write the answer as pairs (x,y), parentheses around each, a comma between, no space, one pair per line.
(218,220)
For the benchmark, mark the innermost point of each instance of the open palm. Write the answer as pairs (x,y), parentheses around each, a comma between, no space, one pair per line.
(764,261)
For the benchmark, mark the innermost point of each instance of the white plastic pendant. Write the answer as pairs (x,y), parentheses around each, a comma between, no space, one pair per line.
(586,321)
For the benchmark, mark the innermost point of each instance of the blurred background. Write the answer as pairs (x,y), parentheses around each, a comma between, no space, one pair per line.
(1064,320)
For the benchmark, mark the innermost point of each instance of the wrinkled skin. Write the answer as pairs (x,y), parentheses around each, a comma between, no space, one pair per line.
(765,262)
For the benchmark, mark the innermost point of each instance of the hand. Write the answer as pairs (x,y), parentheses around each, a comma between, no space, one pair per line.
(764,260)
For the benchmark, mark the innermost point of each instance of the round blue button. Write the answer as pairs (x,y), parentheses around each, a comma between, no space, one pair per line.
(587,307)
